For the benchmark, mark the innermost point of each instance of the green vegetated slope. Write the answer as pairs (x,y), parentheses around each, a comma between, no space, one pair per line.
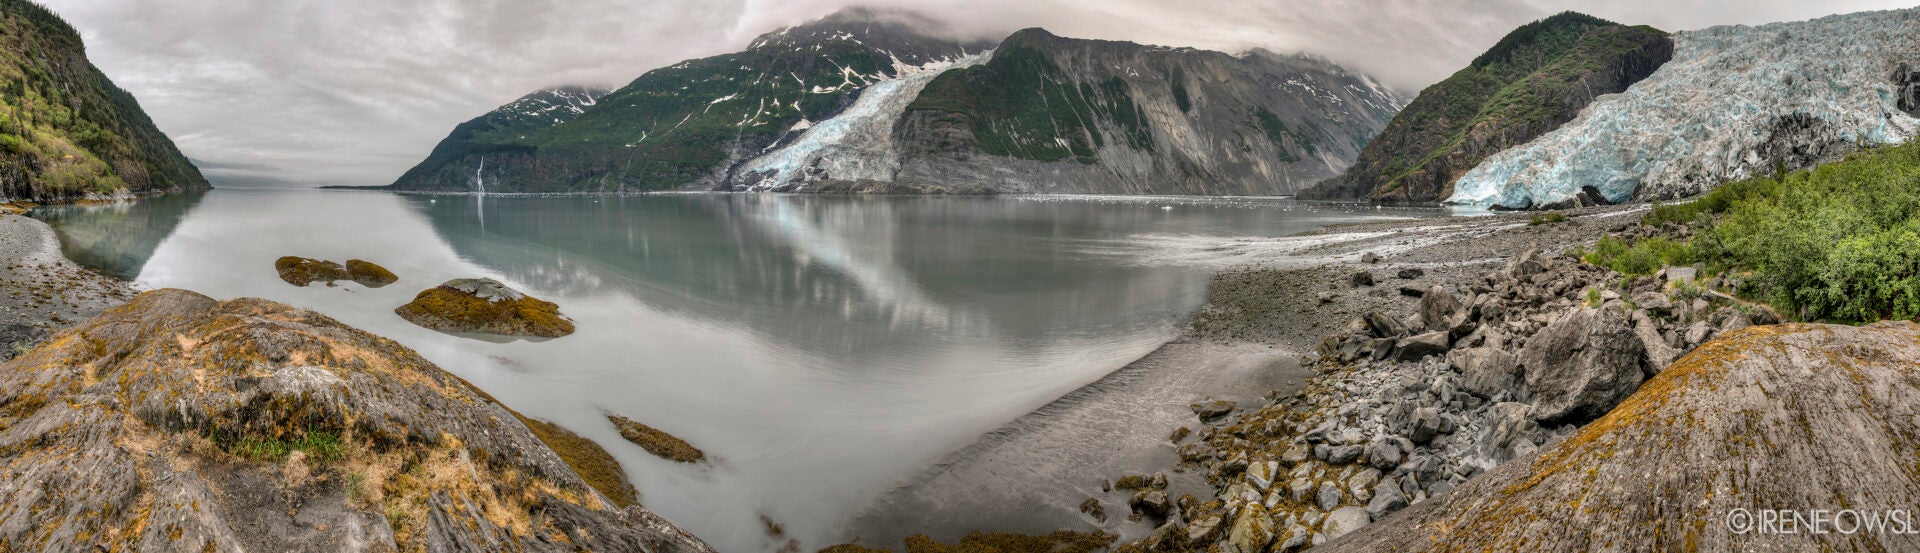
(1835,242)
(679,126)
(1535,79)
(65,130)
(1022,105)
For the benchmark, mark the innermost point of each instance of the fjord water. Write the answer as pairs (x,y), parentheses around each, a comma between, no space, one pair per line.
(819,349)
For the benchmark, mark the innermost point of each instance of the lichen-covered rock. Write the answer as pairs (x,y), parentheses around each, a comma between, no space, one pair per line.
(1581,365)
(180,423)
(302,271)
(1789,417)
(484,305)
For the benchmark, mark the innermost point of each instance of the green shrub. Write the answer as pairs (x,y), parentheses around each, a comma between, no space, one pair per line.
(1550,217)
(1837,242)
(1642,258)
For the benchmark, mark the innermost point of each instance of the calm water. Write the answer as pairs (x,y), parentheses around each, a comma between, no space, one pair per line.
(821,349)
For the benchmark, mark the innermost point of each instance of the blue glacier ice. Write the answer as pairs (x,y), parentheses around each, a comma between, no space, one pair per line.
(856,144)
(1701,119)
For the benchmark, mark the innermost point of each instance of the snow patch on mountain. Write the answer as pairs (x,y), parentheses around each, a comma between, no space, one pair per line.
(854,145)
(1733,101)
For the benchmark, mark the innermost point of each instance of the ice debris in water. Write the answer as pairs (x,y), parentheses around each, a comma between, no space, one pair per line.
(1706,117)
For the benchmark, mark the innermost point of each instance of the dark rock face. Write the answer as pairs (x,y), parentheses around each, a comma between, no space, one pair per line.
(1907,85)
(180,423)
(1796,417)
(1119,117)
(1581,365)
(1537,78)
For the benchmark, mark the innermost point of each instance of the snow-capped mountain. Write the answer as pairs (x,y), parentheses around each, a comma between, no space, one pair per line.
(866,98)
(498,132)
(1734,102)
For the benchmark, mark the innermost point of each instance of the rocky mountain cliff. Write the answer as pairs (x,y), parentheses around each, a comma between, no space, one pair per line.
(1052,114)
(1788,417)
(1535,79)
(866,100)
(66,132)
(1734,102)
(180,423)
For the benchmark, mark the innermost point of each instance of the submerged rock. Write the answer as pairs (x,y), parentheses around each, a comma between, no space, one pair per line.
(484,305)
(301,271)
(659,443)
(180,423)
(1796,417)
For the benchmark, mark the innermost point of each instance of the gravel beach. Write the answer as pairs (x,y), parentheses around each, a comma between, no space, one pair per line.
(40,290)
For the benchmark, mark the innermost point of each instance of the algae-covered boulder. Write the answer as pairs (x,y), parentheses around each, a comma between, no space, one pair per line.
(484,305)
(1797,420)
(369,274)
(661,444)
(301,271)
(180,423)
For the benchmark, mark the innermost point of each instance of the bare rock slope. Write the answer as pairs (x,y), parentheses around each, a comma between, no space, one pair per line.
(180,423)
(1801,417)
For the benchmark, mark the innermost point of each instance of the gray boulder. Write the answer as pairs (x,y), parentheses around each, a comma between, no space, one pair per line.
(1440,310)
(1414,348)
(1487,372)
(1581,365)
(1329,496)
(1387,498)
(1344,521)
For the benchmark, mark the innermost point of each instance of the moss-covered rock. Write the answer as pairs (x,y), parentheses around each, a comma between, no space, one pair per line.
(301,271)
(1797,417)
(180,423)
(657,442)
(485,306)
(369,274)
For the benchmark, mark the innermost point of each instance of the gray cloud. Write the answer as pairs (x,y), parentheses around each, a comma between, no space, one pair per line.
(316,92)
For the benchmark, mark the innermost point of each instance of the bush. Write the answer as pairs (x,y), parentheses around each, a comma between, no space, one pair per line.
(1643,258)
(1836,242)
(1550,217)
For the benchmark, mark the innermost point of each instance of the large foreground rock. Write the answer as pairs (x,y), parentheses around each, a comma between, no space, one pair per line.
(1581,365)
(484,305)
(1799,417)
(181,423)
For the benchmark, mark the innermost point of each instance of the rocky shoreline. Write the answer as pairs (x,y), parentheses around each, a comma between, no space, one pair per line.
(41,291)
(1437,359)
(1410,339)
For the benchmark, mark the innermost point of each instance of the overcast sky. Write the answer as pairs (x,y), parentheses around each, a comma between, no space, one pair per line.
(316,92)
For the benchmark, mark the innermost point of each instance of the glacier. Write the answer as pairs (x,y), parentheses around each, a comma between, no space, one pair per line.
(1711,114)
(857,144)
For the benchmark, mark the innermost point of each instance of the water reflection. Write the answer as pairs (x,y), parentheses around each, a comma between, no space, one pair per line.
(117,238)
(821,348)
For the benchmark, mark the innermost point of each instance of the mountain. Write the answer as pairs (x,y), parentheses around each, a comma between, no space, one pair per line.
(1534,80)
(1052,114)
(686,125)
(867,100)
(499,133)
(1735,102)
(66,132)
